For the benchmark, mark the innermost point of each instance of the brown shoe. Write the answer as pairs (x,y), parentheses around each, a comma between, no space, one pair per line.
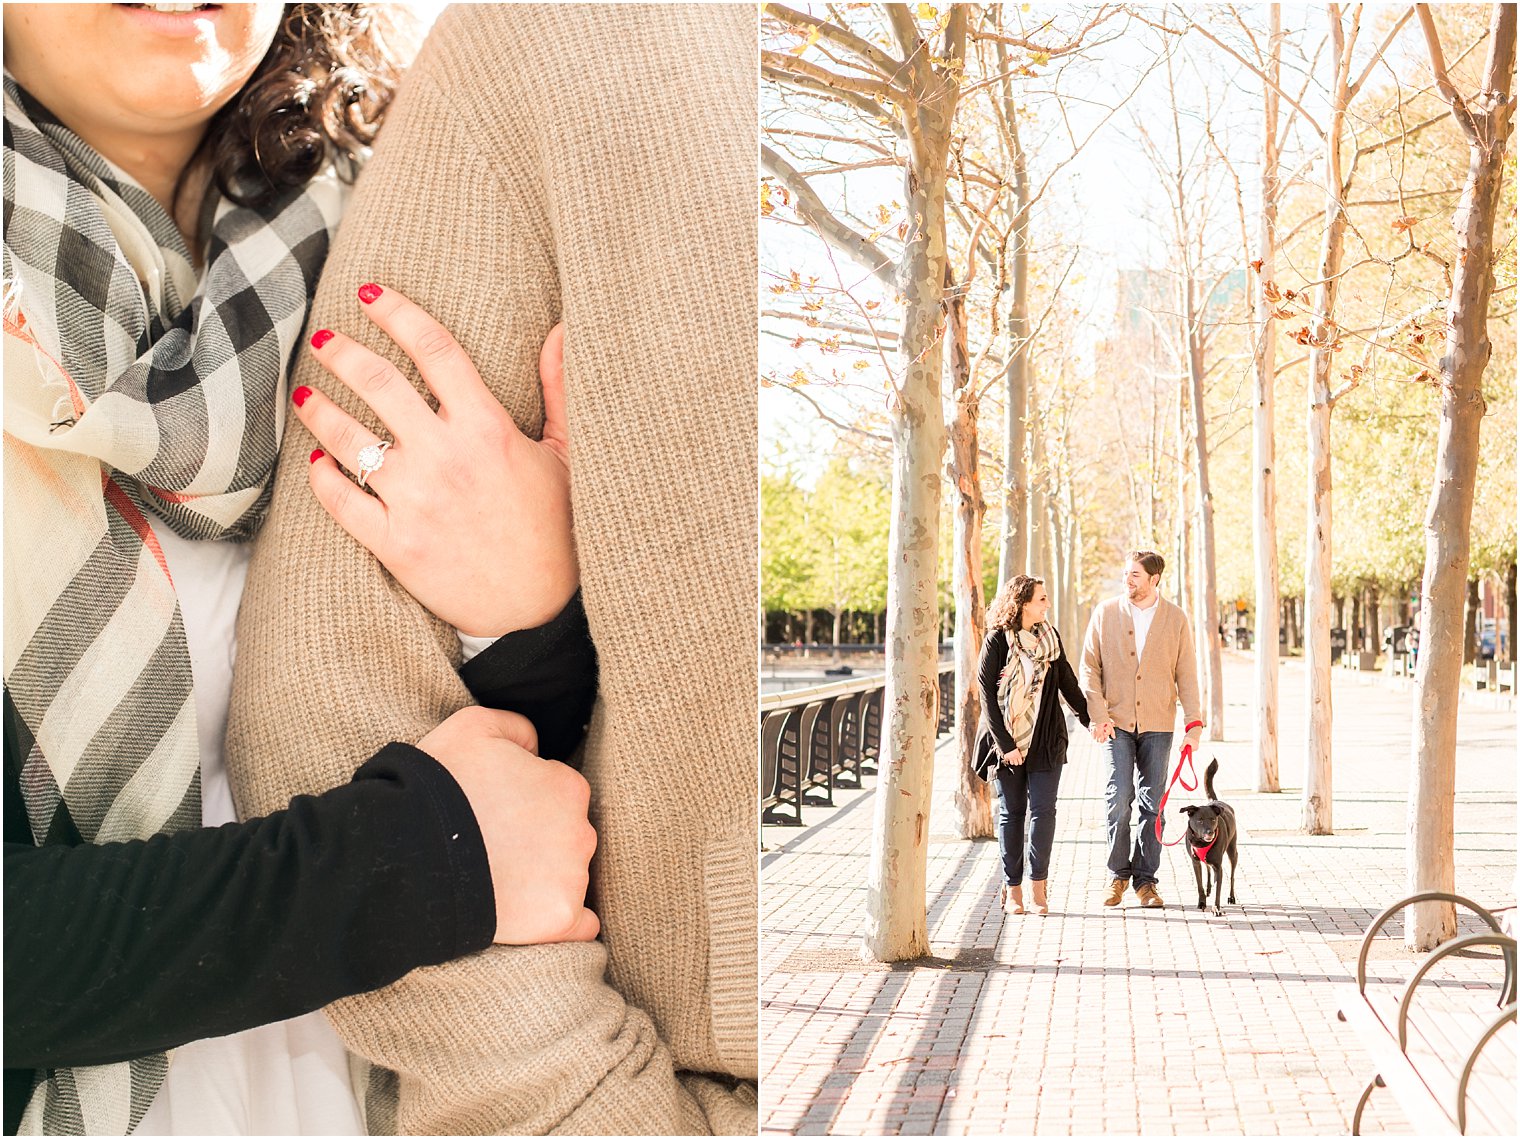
(1041,899)
(1116,890)
(1013,899)
(1149,898)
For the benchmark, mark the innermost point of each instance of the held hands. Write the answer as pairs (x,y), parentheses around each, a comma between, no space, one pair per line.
(532,815)
(1014,758)
(470,515)
(1102,733)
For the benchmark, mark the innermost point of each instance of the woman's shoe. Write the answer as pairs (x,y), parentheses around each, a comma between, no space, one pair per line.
(1013,899)
(1041,902)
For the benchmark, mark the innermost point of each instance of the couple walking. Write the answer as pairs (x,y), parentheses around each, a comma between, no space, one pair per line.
(1137,666)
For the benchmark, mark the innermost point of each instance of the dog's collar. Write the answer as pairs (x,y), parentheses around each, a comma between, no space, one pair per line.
(1203,851)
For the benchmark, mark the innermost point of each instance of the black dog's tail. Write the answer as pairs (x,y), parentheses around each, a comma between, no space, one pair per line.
(1208,778)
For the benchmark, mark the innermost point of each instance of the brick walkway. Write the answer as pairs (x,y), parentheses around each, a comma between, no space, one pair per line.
(1094,1020)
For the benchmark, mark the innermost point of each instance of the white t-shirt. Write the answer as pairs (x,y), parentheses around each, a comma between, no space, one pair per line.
(289,1078)
(1142,619)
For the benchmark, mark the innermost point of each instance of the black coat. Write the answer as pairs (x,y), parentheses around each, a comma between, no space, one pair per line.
(1047,747)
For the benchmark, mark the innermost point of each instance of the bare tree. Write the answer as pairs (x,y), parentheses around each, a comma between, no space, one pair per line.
(1263,469)
(918,90)
(1324,339)
(973,795)
(1486,119)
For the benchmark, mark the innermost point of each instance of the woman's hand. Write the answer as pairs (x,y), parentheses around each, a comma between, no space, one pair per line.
(470,515)
(1014,758)
(532,818)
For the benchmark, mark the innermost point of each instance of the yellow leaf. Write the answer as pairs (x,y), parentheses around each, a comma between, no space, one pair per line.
(812,38)
(927,12)
(766,208)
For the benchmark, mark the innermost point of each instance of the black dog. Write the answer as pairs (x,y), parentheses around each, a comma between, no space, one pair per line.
(1210,835)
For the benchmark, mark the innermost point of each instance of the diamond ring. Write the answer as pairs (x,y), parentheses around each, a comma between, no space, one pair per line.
(371,459)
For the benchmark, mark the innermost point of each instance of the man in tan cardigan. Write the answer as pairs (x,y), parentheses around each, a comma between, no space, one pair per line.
(1137,665)
(594,164)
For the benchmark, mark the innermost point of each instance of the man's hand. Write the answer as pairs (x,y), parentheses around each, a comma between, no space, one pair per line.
(532,815)
(1102,733)
(1014,758)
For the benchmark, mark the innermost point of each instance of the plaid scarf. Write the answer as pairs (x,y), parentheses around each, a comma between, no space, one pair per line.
(1016,695)
(131,388)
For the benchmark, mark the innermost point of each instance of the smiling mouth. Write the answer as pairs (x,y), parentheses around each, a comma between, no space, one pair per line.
(173,9)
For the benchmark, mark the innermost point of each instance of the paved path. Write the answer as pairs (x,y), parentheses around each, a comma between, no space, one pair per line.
(1096,1020)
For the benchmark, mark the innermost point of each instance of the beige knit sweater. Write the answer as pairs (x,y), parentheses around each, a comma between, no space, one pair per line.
(596,163)
(1140,693)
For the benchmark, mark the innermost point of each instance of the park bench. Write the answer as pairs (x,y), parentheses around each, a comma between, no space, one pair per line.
(821,738)
(1446,1050)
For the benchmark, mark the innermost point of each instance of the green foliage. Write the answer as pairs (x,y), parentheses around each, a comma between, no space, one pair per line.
(825,546)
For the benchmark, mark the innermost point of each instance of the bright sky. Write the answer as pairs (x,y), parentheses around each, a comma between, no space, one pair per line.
(1109,199)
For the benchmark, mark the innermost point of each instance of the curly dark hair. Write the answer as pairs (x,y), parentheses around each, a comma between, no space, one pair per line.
(318,94)
(1007,609)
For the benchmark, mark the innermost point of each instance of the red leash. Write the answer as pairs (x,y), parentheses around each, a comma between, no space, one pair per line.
(1185,758)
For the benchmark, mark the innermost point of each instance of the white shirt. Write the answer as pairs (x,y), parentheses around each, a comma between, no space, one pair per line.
(1142,619)
(289,1078)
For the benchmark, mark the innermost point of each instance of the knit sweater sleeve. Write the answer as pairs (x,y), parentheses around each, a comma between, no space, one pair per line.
(532,215)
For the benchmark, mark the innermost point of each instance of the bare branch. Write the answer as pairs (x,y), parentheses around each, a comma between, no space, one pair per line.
(862,103)
(1075,43)
(862,49)
(1377,56)
(1449,93)
(834,232)
(872,88)
(851,428)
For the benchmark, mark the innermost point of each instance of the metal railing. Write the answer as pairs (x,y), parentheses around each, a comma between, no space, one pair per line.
(817,739)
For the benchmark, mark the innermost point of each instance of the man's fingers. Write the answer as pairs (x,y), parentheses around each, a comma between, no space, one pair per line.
(551,374)
(586,927)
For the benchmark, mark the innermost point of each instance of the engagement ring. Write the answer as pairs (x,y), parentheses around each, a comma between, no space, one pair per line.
(371,459)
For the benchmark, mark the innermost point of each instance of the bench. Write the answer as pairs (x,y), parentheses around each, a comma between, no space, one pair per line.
(1445,1050)
(818,739)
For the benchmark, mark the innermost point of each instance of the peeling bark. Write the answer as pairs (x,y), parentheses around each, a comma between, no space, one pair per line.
(1487,121)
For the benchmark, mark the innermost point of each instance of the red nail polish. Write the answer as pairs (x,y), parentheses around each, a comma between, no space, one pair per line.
(300,395)
(317,454)
(320,337)
(369,293)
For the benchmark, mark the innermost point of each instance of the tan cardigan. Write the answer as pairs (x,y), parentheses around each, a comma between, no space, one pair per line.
(1140,695)
(595,163)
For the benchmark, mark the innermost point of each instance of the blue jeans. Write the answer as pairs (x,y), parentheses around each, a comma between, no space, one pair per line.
(1018,789)
(1135,758)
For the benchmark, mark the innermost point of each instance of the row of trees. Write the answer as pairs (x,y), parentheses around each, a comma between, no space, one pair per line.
(1347,264)
(825,558)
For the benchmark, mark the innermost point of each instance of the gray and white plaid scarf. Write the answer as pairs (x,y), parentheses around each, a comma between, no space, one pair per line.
(1017,694)
(131,388)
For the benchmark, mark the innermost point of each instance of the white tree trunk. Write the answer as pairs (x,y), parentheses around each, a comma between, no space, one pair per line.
(896,926)
(1016,373)
(1317,565)
(1438,671)
(973,795)
(1208,593)
(1264,474)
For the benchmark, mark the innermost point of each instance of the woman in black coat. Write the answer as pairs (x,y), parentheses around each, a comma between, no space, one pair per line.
(1023,737)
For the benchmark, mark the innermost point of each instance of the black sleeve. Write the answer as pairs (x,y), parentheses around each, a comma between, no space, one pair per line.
(548,674)
(121,949)
(988,669)
(1071,688)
